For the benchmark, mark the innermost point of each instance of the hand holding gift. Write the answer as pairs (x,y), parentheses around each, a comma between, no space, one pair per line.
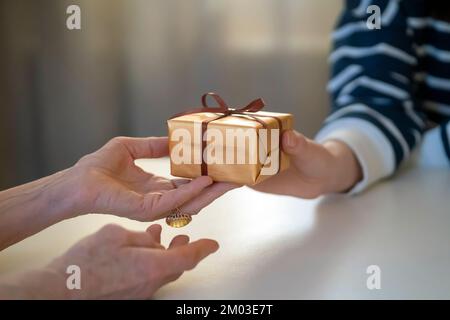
(223,143)
(316,169)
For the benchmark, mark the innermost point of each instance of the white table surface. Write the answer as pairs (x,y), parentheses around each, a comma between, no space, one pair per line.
(276,247)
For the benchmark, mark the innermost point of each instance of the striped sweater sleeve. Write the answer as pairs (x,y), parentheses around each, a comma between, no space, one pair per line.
(371,87)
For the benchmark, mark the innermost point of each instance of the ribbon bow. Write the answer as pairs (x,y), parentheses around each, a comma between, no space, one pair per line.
(254,106)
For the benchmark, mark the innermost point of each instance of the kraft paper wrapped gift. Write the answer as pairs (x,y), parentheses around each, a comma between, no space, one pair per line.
(217,154)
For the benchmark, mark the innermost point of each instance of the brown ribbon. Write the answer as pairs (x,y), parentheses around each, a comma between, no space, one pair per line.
(222,107)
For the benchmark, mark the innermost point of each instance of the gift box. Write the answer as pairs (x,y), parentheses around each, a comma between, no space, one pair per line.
(229,145)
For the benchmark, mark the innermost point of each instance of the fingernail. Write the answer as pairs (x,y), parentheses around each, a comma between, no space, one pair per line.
(290,139)
(208,180)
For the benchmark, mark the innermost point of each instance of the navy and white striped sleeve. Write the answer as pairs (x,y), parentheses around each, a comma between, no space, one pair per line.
(371,87)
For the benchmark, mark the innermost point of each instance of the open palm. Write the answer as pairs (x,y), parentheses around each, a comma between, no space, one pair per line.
(110,182)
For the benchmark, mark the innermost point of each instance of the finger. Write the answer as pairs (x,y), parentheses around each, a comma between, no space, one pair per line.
(277,183)
(207,196)
(141,239)
(152,184)
(178,182)
(186,257)
(179,241)
(295,144)
(152,147)
(308,157)
(155,232)
(156,205)
(302,151)
(155,183)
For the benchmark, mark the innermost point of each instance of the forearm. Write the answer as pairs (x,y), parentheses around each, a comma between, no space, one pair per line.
(37,284)
(32,207)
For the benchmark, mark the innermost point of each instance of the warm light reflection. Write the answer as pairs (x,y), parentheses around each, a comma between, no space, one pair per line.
(270,216)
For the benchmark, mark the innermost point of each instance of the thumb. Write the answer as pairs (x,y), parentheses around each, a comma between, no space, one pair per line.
(295,145)
(186,257)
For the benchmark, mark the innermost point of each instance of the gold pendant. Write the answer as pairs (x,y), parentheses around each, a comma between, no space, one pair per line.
(178,219)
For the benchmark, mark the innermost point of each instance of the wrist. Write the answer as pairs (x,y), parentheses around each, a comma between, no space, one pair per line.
(346,170)
(59,195)
(36,284)
(34,206)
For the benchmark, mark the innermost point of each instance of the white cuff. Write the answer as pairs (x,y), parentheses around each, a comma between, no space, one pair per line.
(370,146)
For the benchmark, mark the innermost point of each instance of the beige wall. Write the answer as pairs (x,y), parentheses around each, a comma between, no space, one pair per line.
(135,62)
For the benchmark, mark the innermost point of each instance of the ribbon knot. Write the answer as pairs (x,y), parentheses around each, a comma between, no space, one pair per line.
(222,107)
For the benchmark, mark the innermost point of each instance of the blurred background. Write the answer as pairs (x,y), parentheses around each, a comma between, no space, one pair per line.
(136,62)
